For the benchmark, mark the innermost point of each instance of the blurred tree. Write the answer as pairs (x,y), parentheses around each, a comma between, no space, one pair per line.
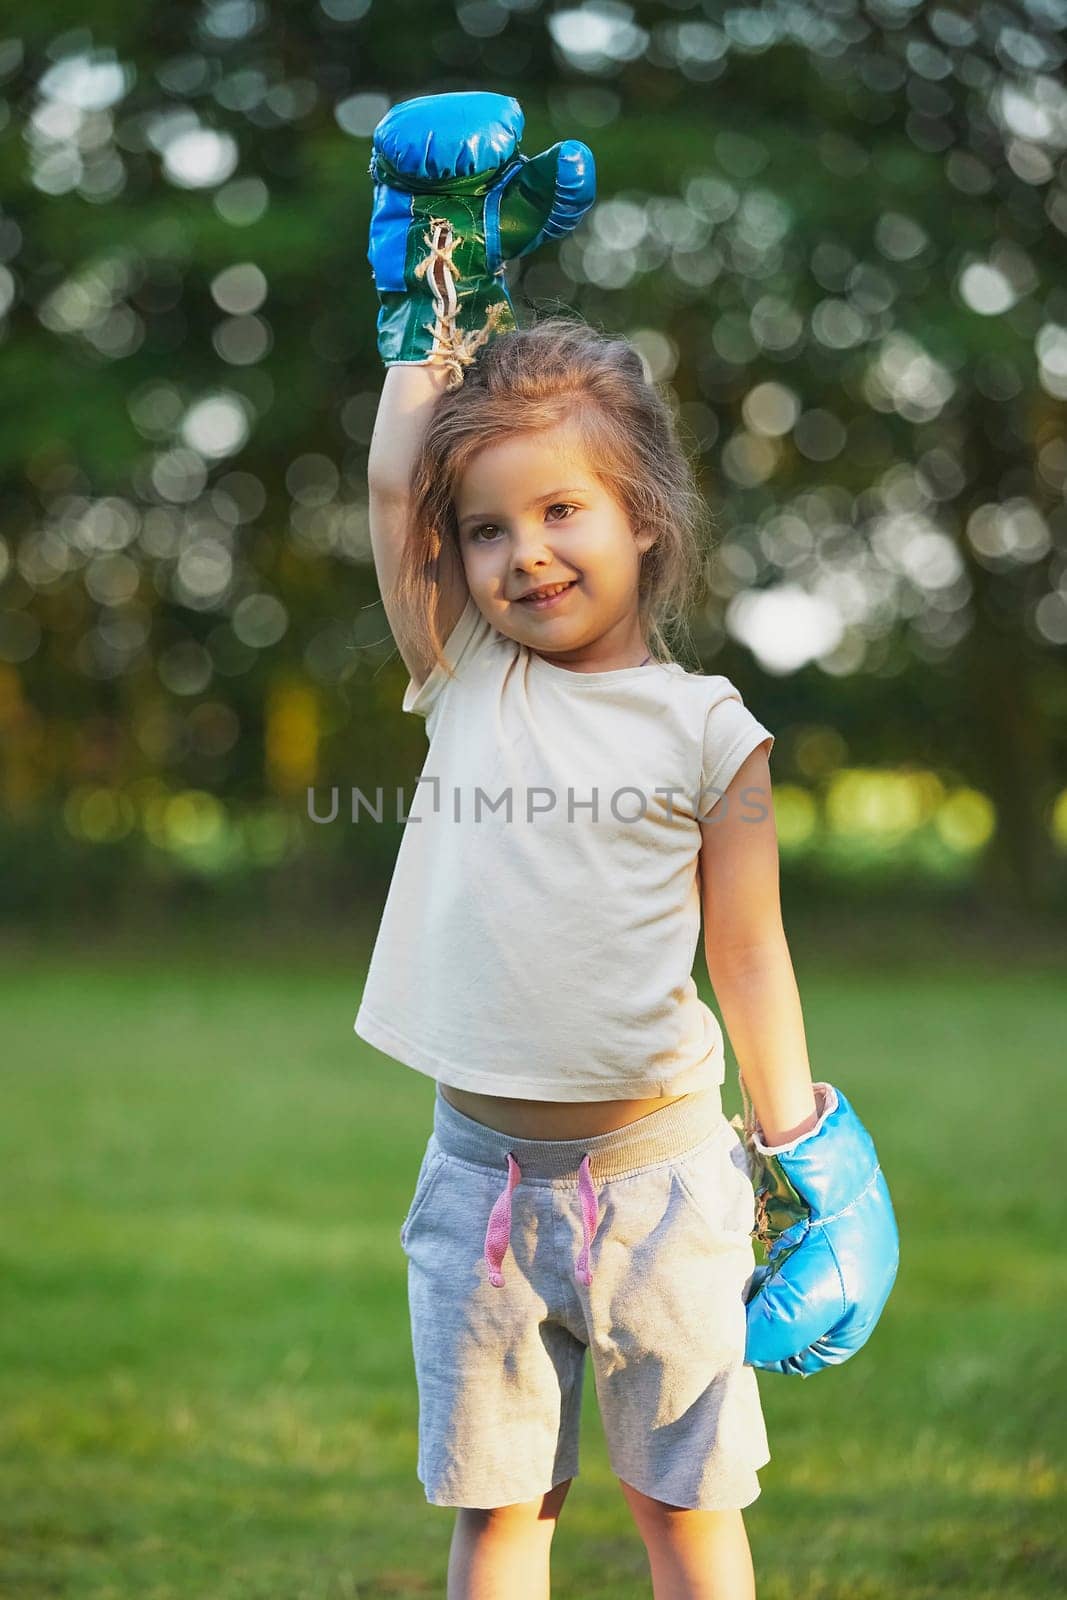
(837,235)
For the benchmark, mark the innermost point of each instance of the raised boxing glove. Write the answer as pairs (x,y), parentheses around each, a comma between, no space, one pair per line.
(824,1209)
(453,200)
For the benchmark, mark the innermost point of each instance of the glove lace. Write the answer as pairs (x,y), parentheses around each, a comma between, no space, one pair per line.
(762,1231)
(456,348)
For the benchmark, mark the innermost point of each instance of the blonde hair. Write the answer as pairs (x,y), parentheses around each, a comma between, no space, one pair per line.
(561,370)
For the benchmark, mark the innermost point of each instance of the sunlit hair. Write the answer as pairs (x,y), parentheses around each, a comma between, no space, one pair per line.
(561,370)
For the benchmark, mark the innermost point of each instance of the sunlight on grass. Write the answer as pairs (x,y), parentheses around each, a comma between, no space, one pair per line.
(246,1242)
(206,1381)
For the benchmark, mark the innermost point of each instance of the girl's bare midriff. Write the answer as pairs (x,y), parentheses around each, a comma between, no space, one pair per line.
(551,1119)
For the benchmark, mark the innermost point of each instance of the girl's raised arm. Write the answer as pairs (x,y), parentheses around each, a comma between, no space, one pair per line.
(454,199)
(408,396)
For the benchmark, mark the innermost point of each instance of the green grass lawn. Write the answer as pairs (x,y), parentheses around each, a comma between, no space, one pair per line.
(206,1386)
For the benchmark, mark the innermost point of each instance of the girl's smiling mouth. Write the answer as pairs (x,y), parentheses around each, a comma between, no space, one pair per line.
(547,596)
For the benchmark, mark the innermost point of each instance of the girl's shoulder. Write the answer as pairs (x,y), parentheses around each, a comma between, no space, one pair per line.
(702,690)
(724,729)
(470,637)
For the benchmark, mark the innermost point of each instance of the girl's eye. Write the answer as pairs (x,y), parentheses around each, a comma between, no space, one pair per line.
(488,527)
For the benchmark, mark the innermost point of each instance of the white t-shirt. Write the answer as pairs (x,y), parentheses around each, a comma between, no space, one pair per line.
(548,955)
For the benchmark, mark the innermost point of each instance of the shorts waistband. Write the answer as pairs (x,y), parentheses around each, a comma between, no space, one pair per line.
(668,1133)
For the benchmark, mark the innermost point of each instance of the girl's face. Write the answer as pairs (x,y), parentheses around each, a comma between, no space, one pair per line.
(532,513)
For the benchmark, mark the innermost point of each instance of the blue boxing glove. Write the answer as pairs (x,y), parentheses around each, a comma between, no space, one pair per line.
(825,1212)
(454,199)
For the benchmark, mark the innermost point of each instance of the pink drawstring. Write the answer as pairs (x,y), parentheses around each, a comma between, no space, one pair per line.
(498,1233)
(582,1270)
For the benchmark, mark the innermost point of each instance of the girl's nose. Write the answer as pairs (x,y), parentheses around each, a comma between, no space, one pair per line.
(531,559)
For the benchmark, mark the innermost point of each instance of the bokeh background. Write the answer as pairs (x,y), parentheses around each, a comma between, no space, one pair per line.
(836,233)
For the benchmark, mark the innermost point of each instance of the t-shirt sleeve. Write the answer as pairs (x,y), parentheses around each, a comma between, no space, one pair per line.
(731,733)
(469,636)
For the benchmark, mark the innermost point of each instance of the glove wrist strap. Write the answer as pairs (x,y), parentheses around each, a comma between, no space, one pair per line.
(752,1132)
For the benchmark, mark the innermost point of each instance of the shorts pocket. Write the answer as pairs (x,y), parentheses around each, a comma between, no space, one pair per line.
(433,1162)
(715,1180)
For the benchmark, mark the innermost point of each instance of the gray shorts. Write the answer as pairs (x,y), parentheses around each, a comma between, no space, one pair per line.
(634,1245)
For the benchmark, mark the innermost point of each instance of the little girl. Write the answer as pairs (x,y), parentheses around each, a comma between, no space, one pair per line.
(585,798)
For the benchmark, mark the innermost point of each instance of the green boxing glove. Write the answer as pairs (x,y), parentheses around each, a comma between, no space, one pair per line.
(453,200)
